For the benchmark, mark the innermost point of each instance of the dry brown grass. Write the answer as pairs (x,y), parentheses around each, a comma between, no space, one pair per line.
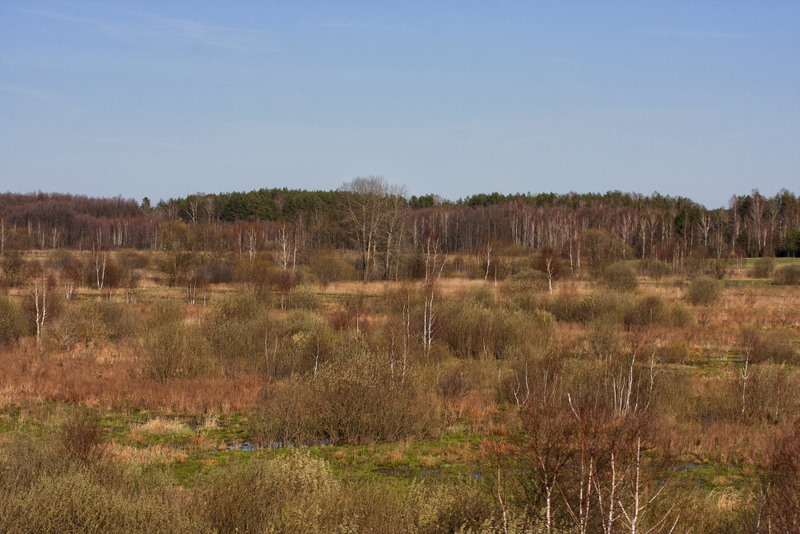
(155,454)
(160,425)
(729,442)
(476,407)
(397,453)
(26,376)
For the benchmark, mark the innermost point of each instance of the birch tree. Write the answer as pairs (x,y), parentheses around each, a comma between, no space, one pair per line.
(40,310)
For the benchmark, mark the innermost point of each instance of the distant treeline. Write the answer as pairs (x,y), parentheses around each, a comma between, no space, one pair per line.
(660,227)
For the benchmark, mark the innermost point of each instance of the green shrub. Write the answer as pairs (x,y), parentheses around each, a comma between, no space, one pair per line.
(235,307)
(258,276)
(720,267)
(787,274)
(234,328)
(482,295)
(604,338)
(174,350)
(676,351)
(330,266)
(292,493)
(306,342)
(62,481)
(94,321)
(216,272)
(586,308)
(522,290)
(476,327)
(360,400)
(776,346)
(286,414)
(600,249)
(682,316)
(763,267)
(164,312)
(467,328)
(648,310)
(655,269)
(703,290)
(695,264)
(14,268)
(441,507)
(74,502)
(12,322)
(236,344)
(303,298)
(620,277)
(133,259)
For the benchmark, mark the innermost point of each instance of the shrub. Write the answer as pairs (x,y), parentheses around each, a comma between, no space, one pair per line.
(51,299)
(132,259)
(604,339)
(473,329)
(285,416)
(682,316)
(676,351)
(292,493)
(782,506)
(235,307)
(61,481)
(585,308)
(648,310)
(234,328)
(330,266)
(482,295)
(719,267)
(703,290)
(303,298)
(763,267)
(655,269)
(303,342)
(216,272)
(442,507)
(620,277)
(12,322)
(75,502)
(236,344)
(521,290)
(776,346)
(787,274)
(95,273)
(13,266)
(360,401)
(599,250)
(93,321)
(174,350)
(114,275)
(695,264)
(257,276)
(424,507)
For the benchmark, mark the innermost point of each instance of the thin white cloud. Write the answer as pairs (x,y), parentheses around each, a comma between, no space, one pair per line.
(701,35)
(150,30)
(25,91)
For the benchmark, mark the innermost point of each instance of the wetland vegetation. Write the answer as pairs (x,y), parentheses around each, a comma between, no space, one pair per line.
(355,361)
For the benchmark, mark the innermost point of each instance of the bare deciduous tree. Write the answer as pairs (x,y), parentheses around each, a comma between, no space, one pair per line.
(3,237)
(40,305)
(376,212)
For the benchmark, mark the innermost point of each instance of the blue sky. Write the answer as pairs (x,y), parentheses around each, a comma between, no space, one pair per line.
(164,99)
